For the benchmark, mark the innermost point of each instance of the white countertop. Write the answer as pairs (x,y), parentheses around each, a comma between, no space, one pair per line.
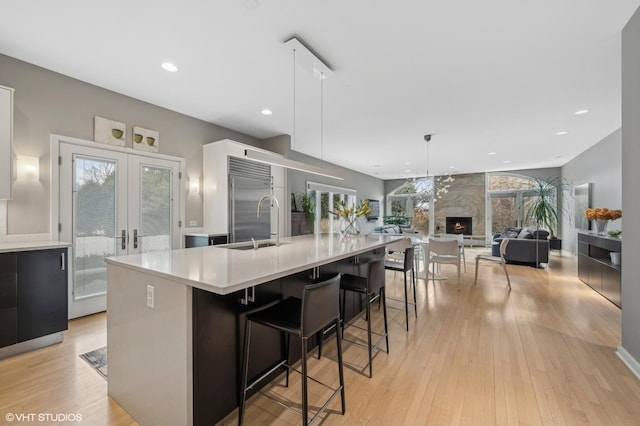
(204,234)
(32,245)
(222,271)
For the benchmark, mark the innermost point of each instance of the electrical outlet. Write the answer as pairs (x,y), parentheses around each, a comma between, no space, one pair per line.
(150,297)
(193,223)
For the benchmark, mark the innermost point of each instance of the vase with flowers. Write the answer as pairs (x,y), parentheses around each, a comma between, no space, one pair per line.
(601,218)
(349,223)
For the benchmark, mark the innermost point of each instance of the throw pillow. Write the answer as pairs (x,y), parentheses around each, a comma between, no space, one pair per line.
(510,232)
(540,234)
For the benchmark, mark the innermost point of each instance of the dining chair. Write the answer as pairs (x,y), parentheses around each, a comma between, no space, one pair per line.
(460,239)
(495,259)
(443,251)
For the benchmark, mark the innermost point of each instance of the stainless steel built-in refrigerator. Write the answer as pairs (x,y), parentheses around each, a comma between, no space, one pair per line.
(244,194)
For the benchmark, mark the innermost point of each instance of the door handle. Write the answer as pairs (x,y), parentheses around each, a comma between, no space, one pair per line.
(135,238)
(62,262)
(123,238)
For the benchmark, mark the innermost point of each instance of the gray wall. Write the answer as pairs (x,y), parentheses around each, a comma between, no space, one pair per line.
(630,179)
(600,165)
(367,186)
(47,102)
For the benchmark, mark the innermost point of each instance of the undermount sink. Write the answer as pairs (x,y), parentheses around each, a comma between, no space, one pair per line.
(249,245)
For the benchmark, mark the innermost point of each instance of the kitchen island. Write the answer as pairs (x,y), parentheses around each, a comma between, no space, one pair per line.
(175,319)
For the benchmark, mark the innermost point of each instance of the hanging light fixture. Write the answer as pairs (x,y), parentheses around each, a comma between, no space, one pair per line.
(443,182)
(304,57)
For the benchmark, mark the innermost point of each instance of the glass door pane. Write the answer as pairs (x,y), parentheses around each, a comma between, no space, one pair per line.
(155,209)
(152,211)
(503,212)
(94,224)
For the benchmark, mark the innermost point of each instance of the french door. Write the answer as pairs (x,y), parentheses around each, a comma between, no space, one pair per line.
(112,203)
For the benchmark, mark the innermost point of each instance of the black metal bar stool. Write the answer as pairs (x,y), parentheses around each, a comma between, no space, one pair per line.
(407,265)
(304,318)
(373,288)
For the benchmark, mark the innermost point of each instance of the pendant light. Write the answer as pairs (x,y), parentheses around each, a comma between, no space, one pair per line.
(304,57)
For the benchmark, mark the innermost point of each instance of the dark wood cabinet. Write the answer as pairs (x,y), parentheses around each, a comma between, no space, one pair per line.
(203,240)
(595,268)
(33,294)
(42,293)
(8,299)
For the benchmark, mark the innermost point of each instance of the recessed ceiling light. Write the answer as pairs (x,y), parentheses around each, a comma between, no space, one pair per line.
(492,153)
(266,111)
(558,156)
(377,165)
(407,163)
(168,66)
(408,171)
(561,133)
(507,161)
(582,111)
(452,167)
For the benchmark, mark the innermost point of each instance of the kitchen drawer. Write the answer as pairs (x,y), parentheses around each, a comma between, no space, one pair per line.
(8,326)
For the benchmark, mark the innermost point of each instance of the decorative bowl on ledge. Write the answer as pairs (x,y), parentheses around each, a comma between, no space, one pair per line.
(614,232)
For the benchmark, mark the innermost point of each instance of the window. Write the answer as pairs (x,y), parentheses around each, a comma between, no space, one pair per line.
(326,196)
(508,197)
(411,204)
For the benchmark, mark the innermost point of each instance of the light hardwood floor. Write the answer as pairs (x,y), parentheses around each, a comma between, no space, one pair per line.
(542,353)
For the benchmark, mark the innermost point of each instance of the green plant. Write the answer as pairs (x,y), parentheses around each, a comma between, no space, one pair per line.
(541,204)
(351,213)
(396,220)
(308,206)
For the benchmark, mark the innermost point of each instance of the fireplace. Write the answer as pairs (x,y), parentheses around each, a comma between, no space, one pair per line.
(458,225)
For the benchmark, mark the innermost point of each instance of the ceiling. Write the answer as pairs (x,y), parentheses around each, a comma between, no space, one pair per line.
(494,76)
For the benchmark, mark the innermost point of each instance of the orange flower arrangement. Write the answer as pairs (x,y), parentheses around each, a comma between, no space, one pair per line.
(602,214)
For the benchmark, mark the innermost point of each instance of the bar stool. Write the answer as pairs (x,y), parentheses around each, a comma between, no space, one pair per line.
(373,288)
(406,266)
(304,318)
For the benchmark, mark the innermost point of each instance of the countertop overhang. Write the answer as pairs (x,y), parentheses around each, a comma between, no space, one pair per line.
(31,245)
(223,271)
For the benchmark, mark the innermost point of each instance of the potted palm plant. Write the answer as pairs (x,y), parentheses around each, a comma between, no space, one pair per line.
(541,205)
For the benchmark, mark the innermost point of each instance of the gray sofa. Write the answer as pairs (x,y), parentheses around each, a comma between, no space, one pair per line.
(394,230)
(527,246)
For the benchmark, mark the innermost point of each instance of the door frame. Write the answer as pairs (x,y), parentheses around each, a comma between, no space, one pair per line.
(54,175)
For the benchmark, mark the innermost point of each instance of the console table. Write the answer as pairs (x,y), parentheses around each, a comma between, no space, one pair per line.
(594,264)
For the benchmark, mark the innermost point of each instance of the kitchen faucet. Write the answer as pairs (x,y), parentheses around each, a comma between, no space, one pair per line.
(273,197)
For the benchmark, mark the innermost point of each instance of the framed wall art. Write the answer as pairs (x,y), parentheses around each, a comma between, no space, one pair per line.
(582,195)
(109,131)
(146,139)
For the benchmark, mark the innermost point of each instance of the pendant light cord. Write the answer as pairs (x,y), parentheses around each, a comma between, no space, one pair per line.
(427,159)
(322,118)
(293,143)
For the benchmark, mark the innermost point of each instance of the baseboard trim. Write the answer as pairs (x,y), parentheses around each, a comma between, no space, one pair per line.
(30,345)
(629,361)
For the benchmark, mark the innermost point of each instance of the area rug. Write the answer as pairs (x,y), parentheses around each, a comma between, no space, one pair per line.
(98,360)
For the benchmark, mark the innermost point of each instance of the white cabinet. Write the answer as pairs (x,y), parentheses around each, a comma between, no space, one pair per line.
(215,185)
(6,135)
